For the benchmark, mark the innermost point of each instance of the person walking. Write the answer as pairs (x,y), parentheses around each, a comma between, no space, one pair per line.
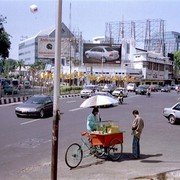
(137,127)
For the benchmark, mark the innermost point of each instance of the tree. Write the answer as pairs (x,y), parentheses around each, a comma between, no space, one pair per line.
(177,59)
(5,43)
(20,64)
(177,64)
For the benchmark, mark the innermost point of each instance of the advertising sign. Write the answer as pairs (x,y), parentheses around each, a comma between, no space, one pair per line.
(46,47)
(98,53)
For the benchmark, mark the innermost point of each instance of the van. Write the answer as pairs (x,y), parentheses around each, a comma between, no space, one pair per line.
(131,87)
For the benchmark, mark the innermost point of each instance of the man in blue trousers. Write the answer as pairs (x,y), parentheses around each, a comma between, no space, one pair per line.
(137,127)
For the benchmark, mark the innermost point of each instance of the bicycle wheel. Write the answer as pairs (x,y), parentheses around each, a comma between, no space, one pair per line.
(74,155)
(115,149)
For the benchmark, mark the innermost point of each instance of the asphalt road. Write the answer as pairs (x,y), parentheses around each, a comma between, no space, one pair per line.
(25,144)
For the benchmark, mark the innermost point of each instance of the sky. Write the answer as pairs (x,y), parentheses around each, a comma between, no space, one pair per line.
(87,16)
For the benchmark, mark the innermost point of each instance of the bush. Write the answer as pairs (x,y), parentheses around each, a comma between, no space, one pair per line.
(70,89)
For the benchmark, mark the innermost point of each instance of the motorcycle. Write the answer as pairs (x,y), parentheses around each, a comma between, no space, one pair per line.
(120,99)
(148,94)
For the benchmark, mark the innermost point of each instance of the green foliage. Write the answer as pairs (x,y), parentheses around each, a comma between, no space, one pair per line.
(70,89)
(4,40)
(177,59)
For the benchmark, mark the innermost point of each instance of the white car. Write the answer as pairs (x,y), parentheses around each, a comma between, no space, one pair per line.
(131,87)
(172,113)
(88,90)
(118,90)
(103,53)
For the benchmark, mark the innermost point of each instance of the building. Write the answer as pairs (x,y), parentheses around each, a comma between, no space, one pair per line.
(172,42)
(42,47)
(141,66)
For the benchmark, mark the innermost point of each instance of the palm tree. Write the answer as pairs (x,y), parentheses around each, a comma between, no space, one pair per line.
(20,64)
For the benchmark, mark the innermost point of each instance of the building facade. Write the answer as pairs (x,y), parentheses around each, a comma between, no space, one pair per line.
(172,42)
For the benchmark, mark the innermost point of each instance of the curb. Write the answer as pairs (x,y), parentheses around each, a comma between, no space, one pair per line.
(9,100)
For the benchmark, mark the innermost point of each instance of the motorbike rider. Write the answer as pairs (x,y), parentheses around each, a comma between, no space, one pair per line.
(121,96)
(148,93)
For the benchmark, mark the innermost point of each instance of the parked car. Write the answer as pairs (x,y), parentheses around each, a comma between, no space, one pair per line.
(131,87)
(27,84)
(109,88)
(104,53)
(142,90)
(88,90)
(172,113)
(166,89)
(153,88)
(117,91)
(9,89)
(35,106)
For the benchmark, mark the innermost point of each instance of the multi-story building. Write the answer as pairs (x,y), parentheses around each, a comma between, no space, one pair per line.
(145,66)
(172,42)
(42,47)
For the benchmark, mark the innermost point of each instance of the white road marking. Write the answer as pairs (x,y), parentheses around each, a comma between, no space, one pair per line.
(30,121)
(76,109)
(70,102)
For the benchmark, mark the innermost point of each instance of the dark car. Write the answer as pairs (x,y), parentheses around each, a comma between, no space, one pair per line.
(35,106)
(142,90)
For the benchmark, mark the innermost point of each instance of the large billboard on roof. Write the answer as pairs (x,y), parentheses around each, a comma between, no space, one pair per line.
(98,53)
(46,47)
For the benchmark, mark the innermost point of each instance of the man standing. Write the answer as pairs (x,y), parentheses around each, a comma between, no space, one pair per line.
(137,127)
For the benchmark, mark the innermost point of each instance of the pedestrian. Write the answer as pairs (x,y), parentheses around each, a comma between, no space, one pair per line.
(92,120)
(137,127)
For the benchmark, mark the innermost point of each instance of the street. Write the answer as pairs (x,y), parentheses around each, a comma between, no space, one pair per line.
(25,143)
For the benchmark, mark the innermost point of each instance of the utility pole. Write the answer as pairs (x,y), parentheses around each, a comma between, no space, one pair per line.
(70,40)
(56,111)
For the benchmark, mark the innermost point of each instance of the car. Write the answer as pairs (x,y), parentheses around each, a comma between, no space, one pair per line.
(9,89)
(117,91)
(153,88)
(172,113)
(131,87)
(27,85)
(103,53)
(88,90)
(166,89)
(109,88)
(141,89)
(35,106)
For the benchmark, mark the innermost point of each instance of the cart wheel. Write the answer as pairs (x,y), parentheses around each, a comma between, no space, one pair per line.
(115,149)
(74,155)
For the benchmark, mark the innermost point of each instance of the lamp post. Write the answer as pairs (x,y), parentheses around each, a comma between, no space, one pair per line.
(56,111)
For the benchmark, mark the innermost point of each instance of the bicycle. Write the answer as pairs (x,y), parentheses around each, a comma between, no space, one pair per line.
(99,145)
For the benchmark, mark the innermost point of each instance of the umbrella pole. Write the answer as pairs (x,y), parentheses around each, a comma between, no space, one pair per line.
(99,118)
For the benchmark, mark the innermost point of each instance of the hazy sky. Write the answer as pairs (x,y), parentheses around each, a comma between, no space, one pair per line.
(87,16)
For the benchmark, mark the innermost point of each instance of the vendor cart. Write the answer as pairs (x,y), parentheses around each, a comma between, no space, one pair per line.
(108,145)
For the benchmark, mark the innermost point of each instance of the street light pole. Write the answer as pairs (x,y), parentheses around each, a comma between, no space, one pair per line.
(56,111)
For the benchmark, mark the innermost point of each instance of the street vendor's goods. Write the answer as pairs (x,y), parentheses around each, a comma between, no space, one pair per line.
(107,128)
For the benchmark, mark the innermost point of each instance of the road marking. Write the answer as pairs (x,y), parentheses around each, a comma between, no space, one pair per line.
(70,102)
(30,121)
(76,109)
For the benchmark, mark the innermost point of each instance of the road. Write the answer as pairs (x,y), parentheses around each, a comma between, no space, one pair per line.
(25,144)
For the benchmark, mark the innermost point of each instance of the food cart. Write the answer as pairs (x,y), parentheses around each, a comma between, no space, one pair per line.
(106,142)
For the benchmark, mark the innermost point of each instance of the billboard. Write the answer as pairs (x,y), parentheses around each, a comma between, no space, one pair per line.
(46,47)
(98,53)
